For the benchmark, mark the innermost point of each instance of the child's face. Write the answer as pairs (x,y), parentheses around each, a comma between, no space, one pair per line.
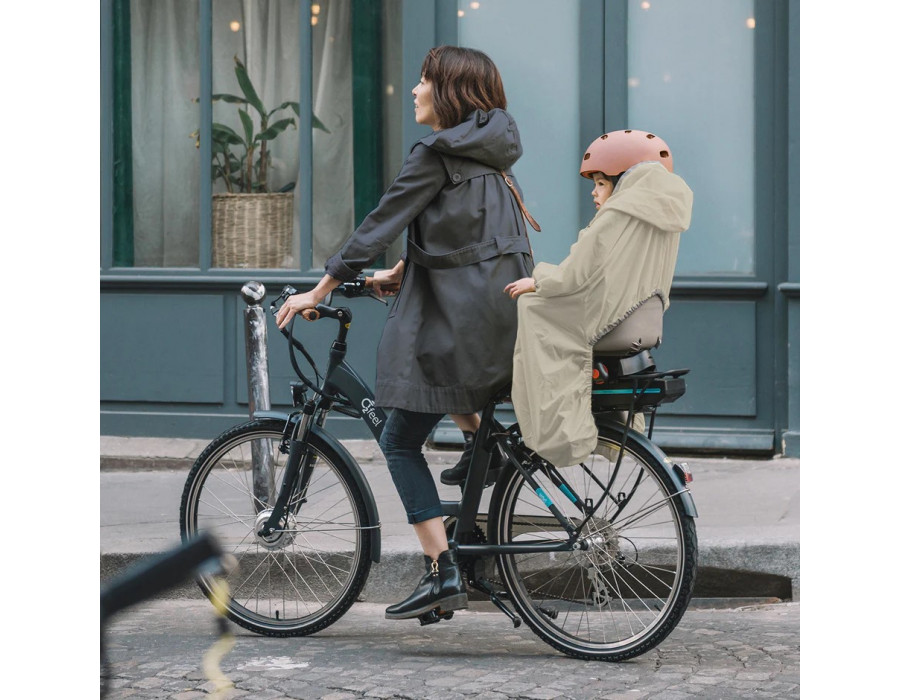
(603,187)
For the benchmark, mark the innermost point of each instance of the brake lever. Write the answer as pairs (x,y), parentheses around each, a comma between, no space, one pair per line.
(286,291)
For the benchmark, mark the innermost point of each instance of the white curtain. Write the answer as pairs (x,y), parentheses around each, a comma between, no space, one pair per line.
(165,58)
(333,152)
(165,82)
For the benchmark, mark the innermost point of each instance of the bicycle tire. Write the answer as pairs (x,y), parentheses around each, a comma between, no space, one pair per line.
(627,591)
(305,576)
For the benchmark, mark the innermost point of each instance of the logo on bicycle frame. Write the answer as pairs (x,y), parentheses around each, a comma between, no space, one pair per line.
(368,407)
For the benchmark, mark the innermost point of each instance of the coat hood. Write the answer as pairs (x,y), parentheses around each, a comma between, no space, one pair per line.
(490,137)
(649,192)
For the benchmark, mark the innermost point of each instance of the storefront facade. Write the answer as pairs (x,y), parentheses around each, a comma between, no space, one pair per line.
(719,81)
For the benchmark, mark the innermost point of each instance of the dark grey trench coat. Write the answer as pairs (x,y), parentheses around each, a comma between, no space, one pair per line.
(448,342)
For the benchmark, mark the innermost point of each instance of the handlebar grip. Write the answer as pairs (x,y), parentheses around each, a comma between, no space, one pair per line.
(393,287)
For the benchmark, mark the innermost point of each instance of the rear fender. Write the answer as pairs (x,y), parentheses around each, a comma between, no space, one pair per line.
(634,437)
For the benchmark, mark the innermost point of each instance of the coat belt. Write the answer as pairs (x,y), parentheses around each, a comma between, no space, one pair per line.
(499,245)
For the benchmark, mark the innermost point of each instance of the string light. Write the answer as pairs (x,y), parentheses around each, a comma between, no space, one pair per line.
(460,13)
(751,23)
(474,5)
(235,26)
(645,5)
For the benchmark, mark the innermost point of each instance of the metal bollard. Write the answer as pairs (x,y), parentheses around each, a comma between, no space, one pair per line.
(258,389)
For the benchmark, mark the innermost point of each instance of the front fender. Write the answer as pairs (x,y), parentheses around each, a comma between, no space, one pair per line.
(687,499)
(334,444)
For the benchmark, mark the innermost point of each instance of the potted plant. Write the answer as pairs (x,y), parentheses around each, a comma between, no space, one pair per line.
(251,226)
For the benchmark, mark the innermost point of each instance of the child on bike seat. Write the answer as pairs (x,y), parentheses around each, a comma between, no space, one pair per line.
(625,257)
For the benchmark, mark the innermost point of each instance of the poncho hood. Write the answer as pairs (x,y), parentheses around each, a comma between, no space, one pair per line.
(649,192)
(490,137)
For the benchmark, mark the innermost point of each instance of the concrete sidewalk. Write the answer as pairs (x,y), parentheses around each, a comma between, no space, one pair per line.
(748,529)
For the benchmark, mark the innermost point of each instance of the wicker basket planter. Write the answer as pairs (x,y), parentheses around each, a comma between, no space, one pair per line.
(252,230)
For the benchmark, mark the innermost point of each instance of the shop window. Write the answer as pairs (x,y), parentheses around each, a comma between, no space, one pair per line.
(255,63)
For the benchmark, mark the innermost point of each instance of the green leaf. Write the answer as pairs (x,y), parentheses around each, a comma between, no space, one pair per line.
(275,129)
(233,99)
(247,121)
(247,87)
(285,105)
(225,134)
(317,124)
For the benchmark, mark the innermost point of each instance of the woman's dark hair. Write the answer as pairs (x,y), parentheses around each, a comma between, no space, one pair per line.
(462,80)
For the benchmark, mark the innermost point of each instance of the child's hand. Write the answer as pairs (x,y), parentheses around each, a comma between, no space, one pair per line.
(522,286)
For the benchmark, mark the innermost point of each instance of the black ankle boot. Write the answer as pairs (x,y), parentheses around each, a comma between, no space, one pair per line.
(441,587)
(457,475)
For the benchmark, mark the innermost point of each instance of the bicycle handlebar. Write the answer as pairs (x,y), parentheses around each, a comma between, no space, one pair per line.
(359,287)
(354,288)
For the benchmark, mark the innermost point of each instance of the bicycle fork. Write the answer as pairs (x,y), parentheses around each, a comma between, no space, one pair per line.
(297,472)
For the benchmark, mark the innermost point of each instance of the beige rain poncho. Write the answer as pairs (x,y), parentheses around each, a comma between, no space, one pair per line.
(622,258)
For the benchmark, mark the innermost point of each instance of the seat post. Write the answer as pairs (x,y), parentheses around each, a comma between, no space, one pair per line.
(473,488)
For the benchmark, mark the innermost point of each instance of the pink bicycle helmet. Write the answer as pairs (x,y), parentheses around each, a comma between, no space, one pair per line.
(613,153)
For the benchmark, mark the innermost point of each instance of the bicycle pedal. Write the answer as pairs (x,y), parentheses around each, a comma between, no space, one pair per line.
(435,615)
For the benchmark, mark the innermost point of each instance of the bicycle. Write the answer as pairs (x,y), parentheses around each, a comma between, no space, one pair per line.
(605,572)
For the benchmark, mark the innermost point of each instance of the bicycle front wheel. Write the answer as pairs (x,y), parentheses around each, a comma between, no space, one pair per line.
(624,591)
(305,575)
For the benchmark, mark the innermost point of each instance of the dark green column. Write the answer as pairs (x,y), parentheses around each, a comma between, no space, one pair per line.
(123,188)
(367,141)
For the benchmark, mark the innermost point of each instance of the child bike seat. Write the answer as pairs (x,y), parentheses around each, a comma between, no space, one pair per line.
(641,330)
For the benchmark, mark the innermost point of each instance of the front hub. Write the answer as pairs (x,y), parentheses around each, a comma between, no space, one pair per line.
(278,539)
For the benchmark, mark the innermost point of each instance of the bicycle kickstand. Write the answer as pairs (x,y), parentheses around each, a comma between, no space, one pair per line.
(488,588)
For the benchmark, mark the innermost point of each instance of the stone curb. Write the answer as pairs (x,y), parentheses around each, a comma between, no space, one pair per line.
(749,571)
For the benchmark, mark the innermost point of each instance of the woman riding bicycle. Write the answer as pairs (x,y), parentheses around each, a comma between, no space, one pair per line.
(448,342)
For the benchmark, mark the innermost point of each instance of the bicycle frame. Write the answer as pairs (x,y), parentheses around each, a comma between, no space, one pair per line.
(342,382)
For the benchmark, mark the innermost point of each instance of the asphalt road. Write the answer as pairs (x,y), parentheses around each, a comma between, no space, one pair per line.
(156,651)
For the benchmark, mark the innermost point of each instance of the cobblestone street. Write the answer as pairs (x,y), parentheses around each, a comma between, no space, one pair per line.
(156,651)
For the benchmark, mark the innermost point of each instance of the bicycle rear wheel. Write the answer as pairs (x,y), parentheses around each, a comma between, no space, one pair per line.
(304,576)
(626,590)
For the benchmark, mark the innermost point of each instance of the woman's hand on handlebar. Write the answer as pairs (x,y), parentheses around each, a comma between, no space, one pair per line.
(295,304)
(522,286)
(298,303)
(386,283)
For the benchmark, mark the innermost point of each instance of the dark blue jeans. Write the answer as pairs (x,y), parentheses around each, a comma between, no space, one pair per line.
(401,441)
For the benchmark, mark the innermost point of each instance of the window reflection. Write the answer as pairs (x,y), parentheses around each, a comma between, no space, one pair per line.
(690,79)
